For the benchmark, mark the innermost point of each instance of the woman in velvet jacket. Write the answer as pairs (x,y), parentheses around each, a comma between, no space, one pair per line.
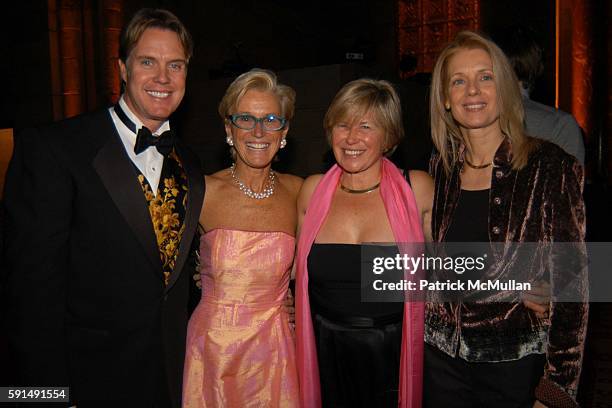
(494,183)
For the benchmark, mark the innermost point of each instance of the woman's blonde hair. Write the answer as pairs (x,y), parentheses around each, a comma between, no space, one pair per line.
(445,131)
(260,80)
(361,96)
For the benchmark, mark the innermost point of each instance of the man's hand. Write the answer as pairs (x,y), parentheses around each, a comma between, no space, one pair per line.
(538,299)
(198,280)
(538,404)
(197,277)
(290,308)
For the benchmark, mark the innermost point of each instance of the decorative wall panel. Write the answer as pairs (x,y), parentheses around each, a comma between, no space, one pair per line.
(426,26)
(83,45)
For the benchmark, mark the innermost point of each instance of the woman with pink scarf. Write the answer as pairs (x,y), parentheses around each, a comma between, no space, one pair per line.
(349,352)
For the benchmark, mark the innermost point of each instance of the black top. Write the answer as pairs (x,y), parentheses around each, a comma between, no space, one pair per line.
(358,343)
(334,275)
(470,224)
(470,221)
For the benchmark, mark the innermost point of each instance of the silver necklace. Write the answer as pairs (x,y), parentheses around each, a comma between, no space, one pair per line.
(268,188)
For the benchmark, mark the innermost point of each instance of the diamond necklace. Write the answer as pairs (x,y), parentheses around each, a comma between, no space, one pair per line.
(268,188)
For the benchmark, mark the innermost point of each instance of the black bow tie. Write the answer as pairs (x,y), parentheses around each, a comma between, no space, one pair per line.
(164,143)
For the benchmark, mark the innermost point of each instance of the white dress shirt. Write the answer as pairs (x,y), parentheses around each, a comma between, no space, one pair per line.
(150,161)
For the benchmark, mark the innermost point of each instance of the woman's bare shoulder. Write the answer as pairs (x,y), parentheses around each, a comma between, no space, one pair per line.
(291,182)
(420,180)
(216,178)
(311,182)
(307,189)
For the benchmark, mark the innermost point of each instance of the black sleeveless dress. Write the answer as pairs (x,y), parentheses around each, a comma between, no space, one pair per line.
(358,343)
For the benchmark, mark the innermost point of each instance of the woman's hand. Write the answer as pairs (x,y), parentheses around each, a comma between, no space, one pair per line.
(538,299)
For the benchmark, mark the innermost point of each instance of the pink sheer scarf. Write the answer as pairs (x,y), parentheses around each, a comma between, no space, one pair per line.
(404,218)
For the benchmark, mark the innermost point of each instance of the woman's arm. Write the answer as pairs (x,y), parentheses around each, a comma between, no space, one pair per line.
(568,319)
(306,190)
(303,200)
(423,188)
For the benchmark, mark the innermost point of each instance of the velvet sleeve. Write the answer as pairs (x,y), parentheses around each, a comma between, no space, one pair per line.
(569,281)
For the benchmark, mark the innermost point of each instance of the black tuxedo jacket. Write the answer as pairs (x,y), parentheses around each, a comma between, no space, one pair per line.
(88,307)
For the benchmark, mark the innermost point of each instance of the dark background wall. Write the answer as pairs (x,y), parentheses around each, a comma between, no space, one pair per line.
(499,16)
(305,42)
(24,65)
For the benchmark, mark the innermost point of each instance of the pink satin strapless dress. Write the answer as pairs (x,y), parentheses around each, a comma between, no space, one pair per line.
(240,349)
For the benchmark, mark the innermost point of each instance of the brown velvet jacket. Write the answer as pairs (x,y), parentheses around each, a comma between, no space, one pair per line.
(540,203)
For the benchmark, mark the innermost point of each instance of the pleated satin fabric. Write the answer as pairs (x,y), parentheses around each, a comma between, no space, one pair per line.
(404,218)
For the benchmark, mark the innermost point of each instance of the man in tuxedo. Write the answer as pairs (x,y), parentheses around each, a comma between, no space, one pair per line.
(101,211)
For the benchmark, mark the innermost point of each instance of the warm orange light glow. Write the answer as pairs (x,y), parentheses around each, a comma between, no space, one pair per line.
(54,63)
(6,151)
(582,66)
(112,22)
(574,79)
(71,57)
(83,70)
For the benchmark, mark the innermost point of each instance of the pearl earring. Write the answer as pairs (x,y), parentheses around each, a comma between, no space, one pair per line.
(229,141)
(283,143)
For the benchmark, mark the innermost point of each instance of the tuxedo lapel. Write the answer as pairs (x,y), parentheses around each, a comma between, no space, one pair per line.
(195,196)
(119,177)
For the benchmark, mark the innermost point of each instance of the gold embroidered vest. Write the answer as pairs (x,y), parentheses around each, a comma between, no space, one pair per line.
(167,210)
